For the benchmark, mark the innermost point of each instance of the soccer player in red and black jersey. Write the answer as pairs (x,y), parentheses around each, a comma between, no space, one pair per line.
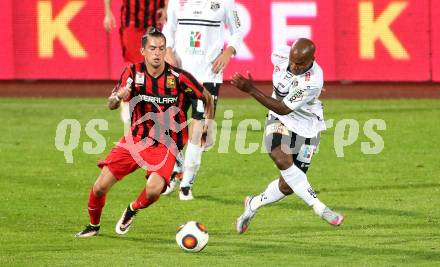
(158,94)
(136,16)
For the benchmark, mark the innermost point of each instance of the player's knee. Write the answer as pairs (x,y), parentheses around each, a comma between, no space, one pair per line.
(99,189)
(281,162)
(284,187)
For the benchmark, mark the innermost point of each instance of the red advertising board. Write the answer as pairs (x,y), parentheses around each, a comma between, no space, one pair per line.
(383,40)
(6,40)
(59,39)
(373,40)
(267,24)
(435,41)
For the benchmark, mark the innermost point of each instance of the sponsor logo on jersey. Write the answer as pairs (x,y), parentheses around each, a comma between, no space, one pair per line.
(297,96)
(158,100)
(215,6)
(182,3)
(236,19)
(194,39)
(171,82)
(197,12)
(295,83)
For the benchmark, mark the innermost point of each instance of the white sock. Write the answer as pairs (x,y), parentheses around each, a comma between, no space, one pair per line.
(270,195)
(297,180)
(193,157)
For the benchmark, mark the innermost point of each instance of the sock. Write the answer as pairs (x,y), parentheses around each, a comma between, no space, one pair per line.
(193,158)
(94,206)
(297,180)
(142,201)
(270,195)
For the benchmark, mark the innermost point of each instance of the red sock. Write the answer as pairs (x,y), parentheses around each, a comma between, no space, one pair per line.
(142,201)
(94,207)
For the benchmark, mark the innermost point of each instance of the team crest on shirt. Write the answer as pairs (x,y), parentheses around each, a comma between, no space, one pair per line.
(215,6)
(171,82)
(307,78)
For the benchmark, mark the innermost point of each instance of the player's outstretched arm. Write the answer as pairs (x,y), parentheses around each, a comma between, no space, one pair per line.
(247,86)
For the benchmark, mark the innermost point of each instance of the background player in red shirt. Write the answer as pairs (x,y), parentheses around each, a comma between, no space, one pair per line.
(136,16)
(159,96)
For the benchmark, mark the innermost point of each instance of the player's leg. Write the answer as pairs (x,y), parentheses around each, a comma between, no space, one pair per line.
(194,149)
(115,167)
(96,201)
(160,162)
(275,191)
(150,194)
(293,174)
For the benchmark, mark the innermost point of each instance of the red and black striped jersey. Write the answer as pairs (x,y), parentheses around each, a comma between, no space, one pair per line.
(159,105)
(140,13)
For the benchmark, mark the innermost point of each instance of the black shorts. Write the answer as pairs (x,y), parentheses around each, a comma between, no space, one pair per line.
(197,105)
(301,148)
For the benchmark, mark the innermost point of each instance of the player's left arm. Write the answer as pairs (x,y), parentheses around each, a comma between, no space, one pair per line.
(162,14)
(232,21)
(169,30)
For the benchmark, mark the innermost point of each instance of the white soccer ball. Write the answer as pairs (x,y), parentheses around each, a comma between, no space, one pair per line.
(192,236)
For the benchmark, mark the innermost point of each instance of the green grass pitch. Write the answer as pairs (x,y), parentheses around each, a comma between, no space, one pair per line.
(391,200)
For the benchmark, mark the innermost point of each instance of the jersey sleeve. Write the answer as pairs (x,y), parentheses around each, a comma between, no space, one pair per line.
(280,55)
(300,95)
(233,23)
(190,85)
(169,29)
(126,76)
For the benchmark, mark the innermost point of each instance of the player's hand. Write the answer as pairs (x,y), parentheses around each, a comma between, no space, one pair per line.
(124,92)
(161,16)
(205,134)
(220,63)
(109,22)
(242,83)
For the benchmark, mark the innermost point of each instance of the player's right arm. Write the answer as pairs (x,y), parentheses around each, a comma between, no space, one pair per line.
(169,30)
(122,90)
(247,86)
(109,20)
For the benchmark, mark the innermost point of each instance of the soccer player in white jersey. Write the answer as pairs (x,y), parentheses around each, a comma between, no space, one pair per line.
(293,125)
(195,32)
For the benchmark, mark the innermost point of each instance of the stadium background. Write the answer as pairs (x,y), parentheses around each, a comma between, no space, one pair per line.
(373,49)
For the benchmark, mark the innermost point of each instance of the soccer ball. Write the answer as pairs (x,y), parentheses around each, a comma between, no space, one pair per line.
(192,236)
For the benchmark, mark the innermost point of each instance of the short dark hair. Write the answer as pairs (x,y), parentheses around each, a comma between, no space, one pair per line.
(151,32)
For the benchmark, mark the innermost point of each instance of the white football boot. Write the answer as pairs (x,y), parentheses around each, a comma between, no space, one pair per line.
(244,220)
(332,217)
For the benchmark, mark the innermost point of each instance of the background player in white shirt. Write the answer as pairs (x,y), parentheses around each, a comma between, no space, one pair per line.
(196,42)
(292,130)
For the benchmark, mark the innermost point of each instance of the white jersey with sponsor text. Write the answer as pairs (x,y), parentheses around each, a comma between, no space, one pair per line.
(195,29)
(300,93)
